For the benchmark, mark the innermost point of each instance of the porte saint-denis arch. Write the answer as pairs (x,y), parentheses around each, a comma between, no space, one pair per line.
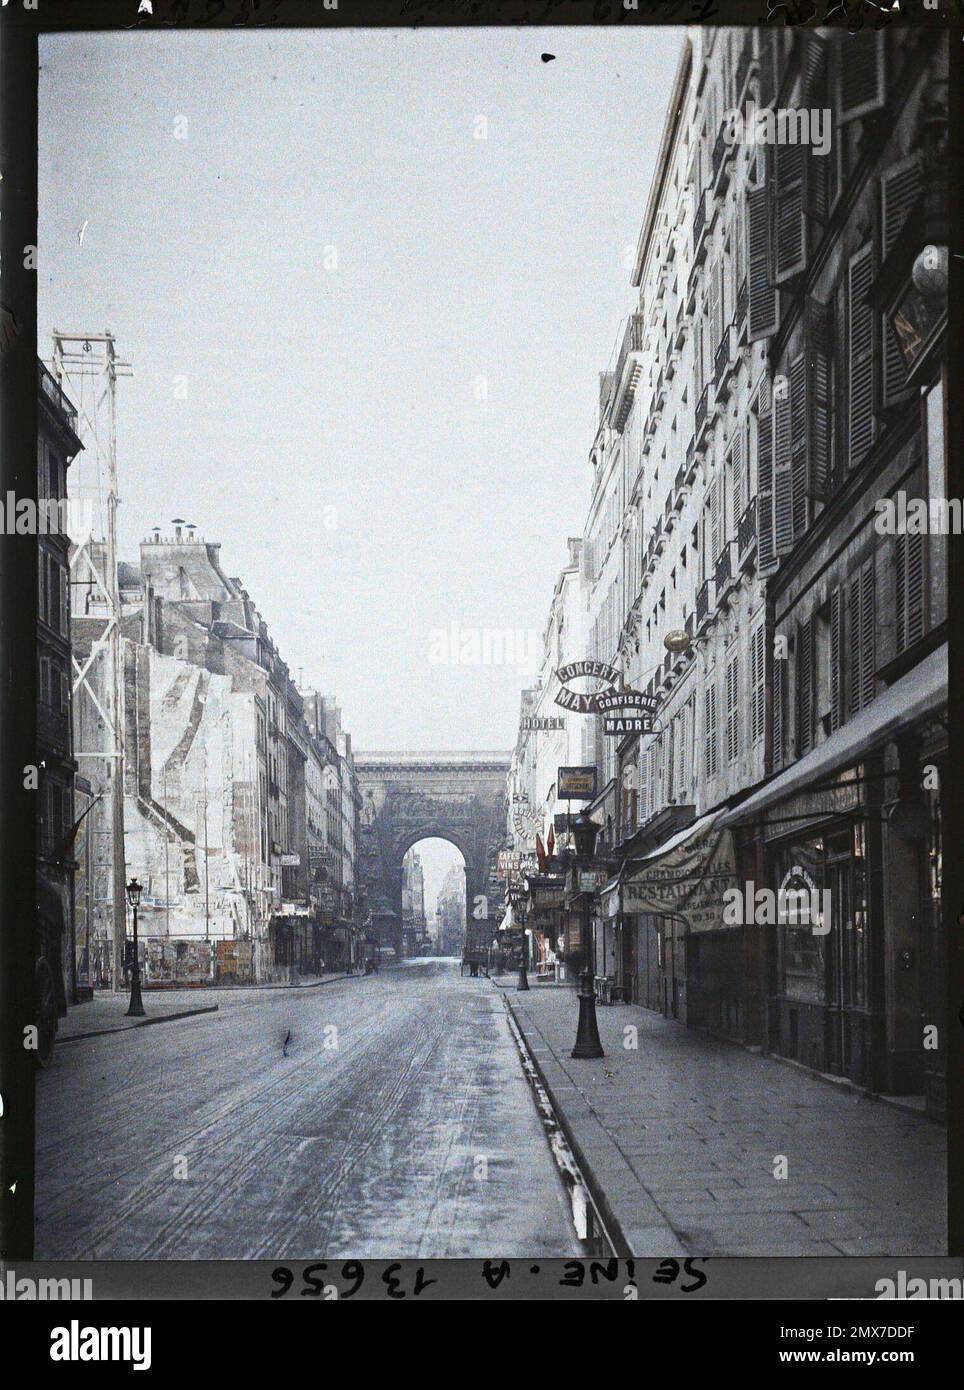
(407,797)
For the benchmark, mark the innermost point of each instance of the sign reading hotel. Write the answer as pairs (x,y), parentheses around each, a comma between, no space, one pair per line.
(543,723)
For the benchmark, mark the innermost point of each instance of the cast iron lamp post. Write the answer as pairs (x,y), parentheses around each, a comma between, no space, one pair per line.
(523,973)
(136,1009)
(584,832)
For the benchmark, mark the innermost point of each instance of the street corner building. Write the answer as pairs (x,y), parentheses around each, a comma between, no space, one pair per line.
(240,799)
(763,563)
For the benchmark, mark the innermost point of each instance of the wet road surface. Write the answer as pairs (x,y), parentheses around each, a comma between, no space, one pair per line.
(398,1125)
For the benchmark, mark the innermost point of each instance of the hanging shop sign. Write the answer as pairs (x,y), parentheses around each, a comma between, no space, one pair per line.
(687,879)
(576,783)
(618,725)
(602,700)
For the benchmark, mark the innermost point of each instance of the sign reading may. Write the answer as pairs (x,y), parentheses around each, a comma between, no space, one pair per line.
(600,701)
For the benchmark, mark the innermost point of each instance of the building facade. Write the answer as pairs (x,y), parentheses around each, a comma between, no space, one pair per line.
(63,957)
(774,400)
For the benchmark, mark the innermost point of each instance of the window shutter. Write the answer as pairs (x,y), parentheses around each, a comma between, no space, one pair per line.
(909,582)
(789,221)
(766,553)
(862,637)
(860,356)
(766,81)
(709,728)
(778,699)
(738,464)
(782,470)
(805,669)
(758,681)
(836,643)
(732,708)
(761,294)
(900,187)
(819,393)
(716,521)
(799,470)
(861,74)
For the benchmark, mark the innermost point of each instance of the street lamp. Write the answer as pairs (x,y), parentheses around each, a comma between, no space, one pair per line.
(523,973)
(136,1009)
(584,832)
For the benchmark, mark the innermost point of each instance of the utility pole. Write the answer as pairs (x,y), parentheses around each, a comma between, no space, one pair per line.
(80,358)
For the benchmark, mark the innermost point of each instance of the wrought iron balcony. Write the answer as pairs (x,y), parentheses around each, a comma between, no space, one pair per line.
(742,305)
(702,603)
(723,572)
(699,229)
(744,62)
(704,408)
(688,625)
(722,160)
(746,531)
(50,386)
(629,366)
(722,363)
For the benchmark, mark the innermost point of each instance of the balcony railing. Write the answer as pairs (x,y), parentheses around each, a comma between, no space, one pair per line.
(746,530)
(699,225)
(742,304)
(743,64)
(722,153)
(702,602)
(722,362)
(50,386)
(723,572)
(631,347)
(702,413)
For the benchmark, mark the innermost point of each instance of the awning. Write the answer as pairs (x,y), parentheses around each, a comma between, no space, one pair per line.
(685,878)
(907,702)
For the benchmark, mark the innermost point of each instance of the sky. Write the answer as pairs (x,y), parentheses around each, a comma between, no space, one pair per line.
(365,341)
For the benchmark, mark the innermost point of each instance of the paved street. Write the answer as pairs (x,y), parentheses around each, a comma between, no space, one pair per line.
(685,1133)
(411,1134)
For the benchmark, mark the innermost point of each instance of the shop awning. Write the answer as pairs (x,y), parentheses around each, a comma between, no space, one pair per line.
(684,879)
(907,702)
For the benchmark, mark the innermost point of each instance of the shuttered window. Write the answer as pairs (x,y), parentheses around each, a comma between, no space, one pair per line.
(909,589)
(758,682)
(733,708)
(862,643)
(860,356)
(899,191)
(764,483)
(860,68)
(762,295)
(709,729)
(799,460)
(836,659)
(782,467)
(739,486)
(789,210)
(779,699)
(805,673)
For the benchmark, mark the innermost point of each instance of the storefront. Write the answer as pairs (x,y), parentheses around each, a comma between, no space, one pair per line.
(856,989)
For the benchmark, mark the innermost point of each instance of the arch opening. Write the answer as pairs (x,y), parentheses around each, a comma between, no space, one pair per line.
(434,872)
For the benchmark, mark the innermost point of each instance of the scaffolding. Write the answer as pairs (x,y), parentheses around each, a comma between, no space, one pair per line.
(87,368)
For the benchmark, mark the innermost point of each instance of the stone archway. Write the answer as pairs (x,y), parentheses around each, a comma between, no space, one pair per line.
(407,797)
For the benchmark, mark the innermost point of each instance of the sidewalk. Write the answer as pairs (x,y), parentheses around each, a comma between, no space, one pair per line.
(106,1012)
(685,1133)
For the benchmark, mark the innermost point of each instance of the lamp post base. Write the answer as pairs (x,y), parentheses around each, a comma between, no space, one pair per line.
(136,1008)
(523,978)
(587,1034)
